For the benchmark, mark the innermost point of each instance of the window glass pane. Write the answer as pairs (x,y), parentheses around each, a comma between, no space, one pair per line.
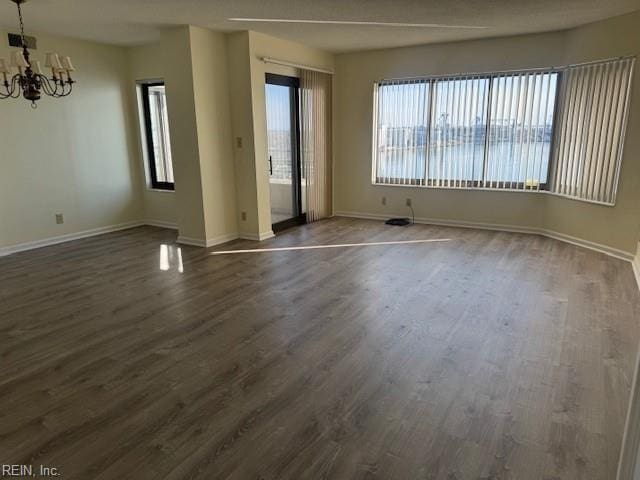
(520,130)
(159,125)
(279,131)
(458,127)
(401,134)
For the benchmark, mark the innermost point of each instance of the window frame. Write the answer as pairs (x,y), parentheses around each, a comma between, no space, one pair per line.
(431,80)
(148,133)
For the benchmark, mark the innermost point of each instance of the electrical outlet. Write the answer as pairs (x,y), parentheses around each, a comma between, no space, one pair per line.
(408,202)
(239,142)
(59,218)
(244,216)
(384,200)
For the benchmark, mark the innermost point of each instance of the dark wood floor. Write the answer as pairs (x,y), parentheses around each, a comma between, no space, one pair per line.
(493,355)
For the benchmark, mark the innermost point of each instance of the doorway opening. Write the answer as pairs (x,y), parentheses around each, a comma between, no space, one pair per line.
(286,184)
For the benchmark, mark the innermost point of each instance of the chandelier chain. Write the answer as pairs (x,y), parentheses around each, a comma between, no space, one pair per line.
(21,24)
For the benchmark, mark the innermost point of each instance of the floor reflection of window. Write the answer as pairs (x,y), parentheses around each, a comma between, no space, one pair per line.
(171,257)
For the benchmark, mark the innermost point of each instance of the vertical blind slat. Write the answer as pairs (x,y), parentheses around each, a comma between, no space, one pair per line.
(547,98)
(620,114)
(592,130)
(513,122)
(610,127)
(603,107)
(568,119)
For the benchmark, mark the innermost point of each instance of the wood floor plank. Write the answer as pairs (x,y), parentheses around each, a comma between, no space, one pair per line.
(490,356)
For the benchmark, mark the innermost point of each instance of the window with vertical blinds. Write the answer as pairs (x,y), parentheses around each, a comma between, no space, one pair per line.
(457,131)
(527,130)
(590,132)
(401,137)
(520,130)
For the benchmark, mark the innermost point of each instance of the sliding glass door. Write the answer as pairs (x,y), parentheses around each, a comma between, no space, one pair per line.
(283,139)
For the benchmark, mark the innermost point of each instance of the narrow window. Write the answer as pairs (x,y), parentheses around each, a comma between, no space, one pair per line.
(156,126)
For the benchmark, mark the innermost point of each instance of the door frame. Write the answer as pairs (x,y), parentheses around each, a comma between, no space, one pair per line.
(299,218)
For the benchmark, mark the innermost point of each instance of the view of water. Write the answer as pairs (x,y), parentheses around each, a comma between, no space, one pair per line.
(507,162)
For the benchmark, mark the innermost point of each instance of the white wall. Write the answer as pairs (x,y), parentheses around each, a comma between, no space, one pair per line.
(75,155)
(239,71)
(175,44)
(212,109)
(196,81)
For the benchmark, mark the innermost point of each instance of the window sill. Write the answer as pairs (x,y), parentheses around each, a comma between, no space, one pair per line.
(498,190)
(159,190)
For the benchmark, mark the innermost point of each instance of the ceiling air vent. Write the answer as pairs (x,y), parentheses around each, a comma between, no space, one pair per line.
(15,40)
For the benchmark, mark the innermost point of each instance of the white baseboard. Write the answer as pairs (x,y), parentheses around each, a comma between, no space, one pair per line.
(46,242)
(257,237)
(621,254)
(598,247)
(161,224)
(209,242)
(221,239)
(444,223)
(613,252)
(194,242)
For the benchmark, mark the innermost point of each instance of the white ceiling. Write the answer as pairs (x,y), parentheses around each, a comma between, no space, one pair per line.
(130,22)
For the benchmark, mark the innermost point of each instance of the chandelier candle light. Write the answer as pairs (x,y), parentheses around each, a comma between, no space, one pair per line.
(29,78)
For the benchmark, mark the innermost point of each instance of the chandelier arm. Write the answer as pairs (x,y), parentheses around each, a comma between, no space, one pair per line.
(46,86)
(59,92)
(53,87)
(65,90)
(70,84)
(15,86)
(60,84)
(8,88)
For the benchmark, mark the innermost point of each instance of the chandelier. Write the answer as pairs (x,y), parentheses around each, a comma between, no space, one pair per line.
(22,75)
